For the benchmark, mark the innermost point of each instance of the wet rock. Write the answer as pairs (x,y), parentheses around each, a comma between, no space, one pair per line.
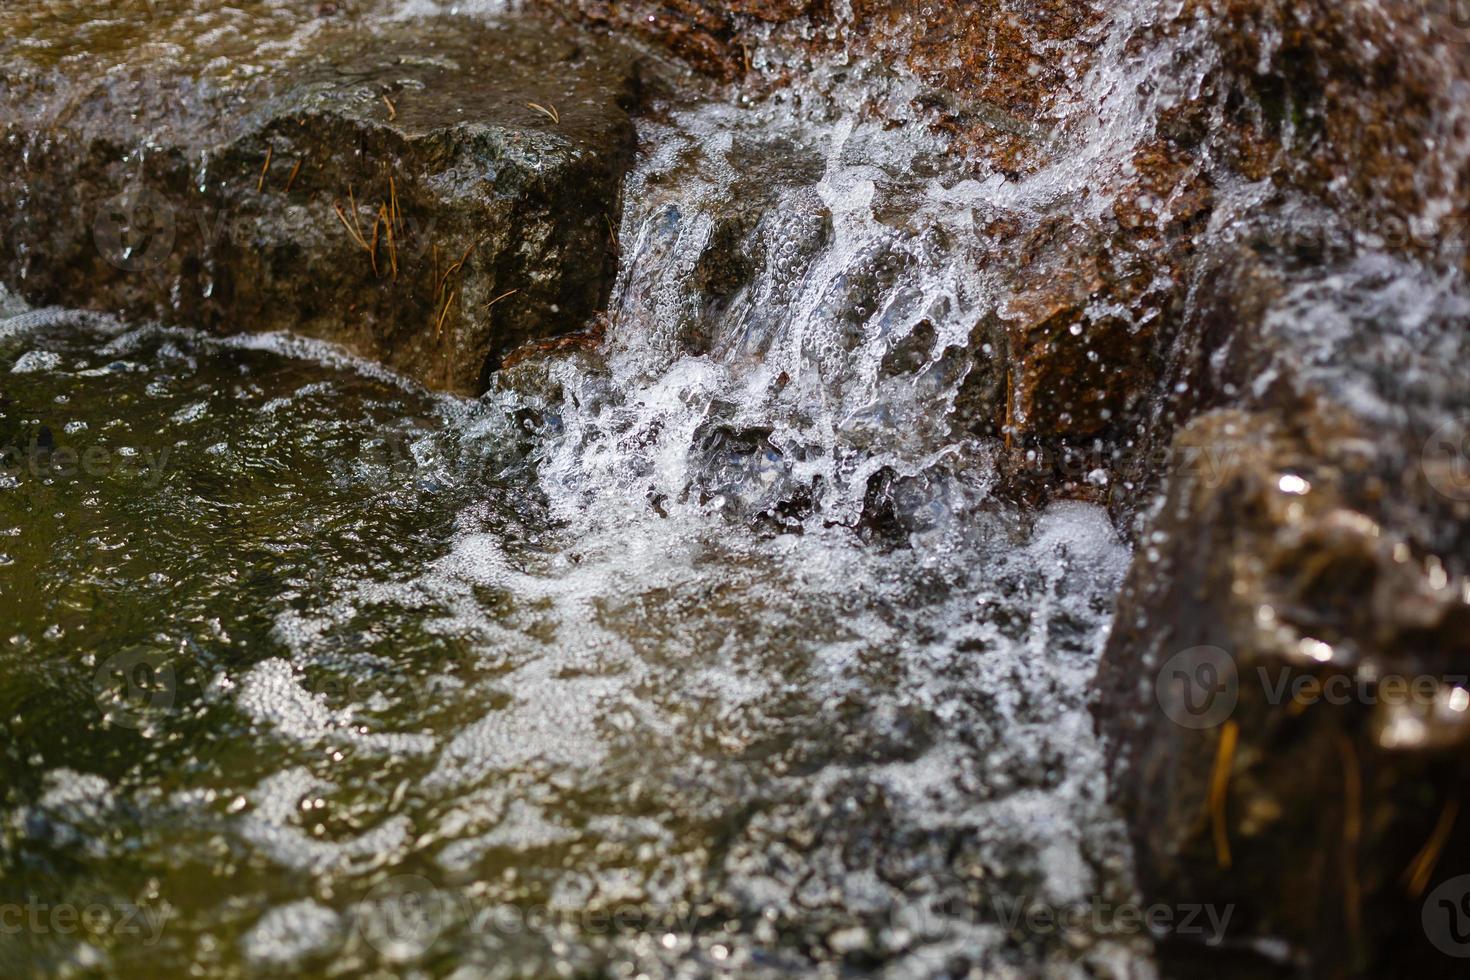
(430,193)
(1254,302)
(992,76)
(1077,351)
(1286,685)
(1073,369)
(1286,690)
(1356,104)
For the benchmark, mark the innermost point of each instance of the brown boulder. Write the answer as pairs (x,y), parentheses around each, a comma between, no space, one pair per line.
(430,194)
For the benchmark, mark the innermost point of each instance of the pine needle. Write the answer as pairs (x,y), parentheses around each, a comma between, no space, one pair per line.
(439,289)
(394,214)
(1416,876)
(386,218)
(1219,788)
(356,235)
(504,295)
(294,171)
(355,229)
(439,326)
(352,200)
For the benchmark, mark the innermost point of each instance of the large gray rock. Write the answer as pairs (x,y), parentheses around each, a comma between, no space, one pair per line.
(430,193)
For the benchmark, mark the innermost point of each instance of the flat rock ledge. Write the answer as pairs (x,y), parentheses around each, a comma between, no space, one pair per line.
(429,193)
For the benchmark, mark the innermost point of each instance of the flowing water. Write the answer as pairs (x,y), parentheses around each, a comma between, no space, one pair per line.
(303,666)
(714,652)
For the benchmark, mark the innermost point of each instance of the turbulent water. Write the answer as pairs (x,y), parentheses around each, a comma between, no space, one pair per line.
(713,652)
(302,666)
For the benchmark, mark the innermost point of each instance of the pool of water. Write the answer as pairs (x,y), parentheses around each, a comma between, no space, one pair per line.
(302,671)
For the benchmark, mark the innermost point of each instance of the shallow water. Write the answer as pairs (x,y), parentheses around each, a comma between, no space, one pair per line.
(612,671)
(299,668)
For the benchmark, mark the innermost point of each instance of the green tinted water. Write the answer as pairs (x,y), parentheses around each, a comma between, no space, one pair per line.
(297,676)
(165,502)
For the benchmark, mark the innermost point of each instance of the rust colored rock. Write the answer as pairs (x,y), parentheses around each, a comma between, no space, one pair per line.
(1072,370)
(1356,99)
(992,75)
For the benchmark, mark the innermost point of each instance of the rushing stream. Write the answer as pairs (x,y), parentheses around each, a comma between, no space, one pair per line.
(720,645)
(613,670)
(300,663)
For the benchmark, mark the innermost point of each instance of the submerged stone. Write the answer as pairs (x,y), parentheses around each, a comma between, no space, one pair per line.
(429,193)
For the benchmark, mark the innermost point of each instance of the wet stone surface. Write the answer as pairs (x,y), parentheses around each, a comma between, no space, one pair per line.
(1302,609)
(428,193)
